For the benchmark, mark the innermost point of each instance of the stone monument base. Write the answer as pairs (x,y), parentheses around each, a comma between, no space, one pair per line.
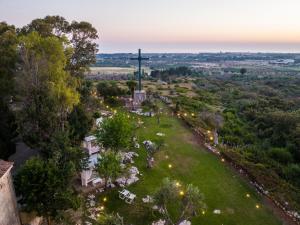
(139,97)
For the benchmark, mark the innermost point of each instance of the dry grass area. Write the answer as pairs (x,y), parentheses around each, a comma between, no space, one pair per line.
(171,90)
(116,70)
(111,70)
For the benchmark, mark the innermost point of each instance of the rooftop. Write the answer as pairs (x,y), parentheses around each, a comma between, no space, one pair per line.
(4,167)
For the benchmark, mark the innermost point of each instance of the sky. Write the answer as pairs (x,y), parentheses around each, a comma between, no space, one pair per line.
(174,25)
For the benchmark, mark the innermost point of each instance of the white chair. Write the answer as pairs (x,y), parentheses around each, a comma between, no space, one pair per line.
(97,181)
(124,193)
(129,199)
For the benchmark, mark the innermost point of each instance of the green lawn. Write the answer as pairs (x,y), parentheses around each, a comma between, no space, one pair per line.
(223,188)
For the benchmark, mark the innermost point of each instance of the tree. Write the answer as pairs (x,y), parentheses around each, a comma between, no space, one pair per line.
(80,35)
(193,203)
(85,49)
(115,133)
(48,26)
(292,173)
(215,121)
(43,189)
(60,150)
(168,74)
(46,91)
(279,127)
(80,123)
(281,155)
(189,201)
(109,166)
(147,104)
(108,89)
(8,56)
(177,107)
(85,90)
(243,71)
(8,131)
(131,84)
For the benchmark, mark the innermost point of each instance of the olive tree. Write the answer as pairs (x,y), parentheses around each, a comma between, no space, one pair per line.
(188,200)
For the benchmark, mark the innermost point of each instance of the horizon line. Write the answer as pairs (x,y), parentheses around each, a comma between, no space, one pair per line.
(205,52)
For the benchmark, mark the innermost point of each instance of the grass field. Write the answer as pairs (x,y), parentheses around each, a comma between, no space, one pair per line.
(222,187)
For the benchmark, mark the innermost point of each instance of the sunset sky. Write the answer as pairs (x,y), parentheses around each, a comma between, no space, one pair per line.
(174,25)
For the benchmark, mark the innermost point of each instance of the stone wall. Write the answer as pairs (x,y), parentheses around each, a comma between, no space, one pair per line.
(9,214)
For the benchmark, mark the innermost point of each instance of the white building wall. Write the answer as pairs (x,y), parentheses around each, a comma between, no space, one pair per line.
(9,214)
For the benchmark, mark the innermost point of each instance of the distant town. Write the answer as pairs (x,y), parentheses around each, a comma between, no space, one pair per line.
(119,66)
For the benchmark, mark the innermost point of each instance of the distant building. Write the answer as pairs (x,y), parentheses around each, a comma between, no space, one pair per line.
(9,214)
(282,61)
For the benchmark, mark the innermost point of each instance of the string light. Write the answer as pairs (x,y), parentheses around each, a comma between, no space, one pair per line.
(203,212)
(208,131)
(177,184)
(167,156)
(170,166)
(185,114)
(248,195)
(257,206)
(223,160)
(211,138)
(102,208)
(193,114)
(104,199)
(181,193)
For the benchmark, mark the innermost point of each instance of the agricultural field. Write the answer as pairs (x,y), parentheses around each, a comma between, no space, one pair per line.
(111,70)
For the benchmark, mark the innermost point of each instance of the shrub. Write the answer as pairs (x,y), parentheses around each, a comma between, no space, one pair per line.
(281,155)
(292,173)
